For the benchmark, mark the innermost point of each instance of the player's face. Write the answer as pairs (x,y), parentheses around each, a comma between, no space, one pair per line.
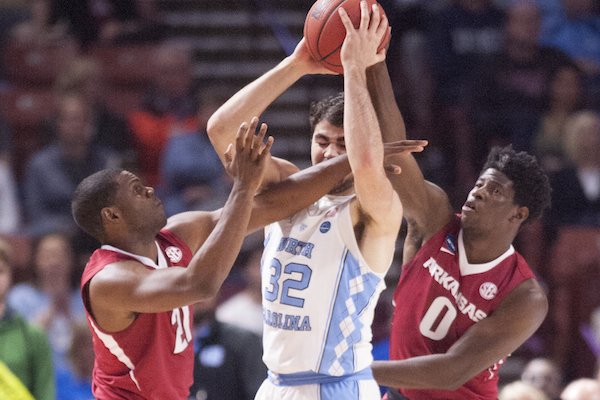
(490,204)
(328,142)
(142,210)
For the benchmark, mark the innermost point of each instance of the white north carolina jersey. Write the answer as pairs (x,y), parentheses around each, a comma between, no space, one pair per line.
(319,295)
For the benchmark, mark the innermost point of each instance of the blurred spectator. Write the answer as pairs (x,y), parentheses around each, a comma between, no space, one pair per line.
(408,60)
(24,349)
(574,27)
(513,84)
(53,173)
(582,389)
(191,174)
(545,375)
(38,28)
(108,21)
(576,188)
(170,106)
(84,76)
(462,35)
(564,98)
(244,309)
(51,301)
(75,381)
(228,361)
(521,391)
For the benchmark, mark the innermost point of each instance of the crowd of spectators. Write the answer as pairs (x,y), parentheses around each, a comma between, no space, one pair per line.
(468,74)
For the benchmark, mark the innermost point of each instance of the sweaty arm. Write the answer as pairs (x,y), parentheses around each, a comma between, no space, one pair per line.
(426,206)
(126,288)
(253,100)
(484,344)
(379,209)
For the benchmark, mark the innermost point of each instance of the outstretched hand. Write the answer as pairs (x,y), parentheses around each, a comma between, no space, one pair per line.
(361,44)
(247,165)
(393,149)
(304,60)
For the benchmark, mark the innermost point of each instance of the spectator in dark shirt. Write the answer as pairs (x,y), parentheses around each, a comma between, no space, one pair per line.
(53,173)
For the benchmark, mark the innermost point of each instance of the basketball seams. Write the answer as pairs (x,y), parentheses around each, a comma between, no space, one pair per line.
(322,30)
(327,13)
(322,27)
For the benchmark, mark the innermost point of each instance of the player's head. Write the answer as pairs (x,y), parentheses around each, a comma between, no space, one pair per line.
(545,375)
(327,126)
(115,201)
(53,258)
(511,189)
(581,389)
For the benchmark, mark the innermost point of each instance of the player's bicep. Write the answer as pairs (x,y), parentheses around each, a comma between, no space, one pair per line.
(378,201)
(130,287)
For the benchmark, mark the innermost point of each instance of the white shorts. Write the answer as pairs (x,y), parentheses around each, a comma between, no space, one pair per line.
(366,389)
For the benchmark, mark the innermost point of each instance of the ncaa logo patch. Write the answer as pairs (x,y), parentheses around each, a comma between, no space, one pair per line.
(325,227)
(174,253)
(488,290)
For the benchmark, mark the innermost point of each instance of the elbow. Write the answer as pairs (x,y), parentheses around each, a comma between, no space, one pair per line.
(451,382)
(455,376)
(205,288)
(214,125)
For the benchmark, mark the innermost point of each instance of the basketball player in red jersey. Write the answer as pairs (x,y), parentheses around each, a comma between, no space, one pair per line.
(138,286)
(466,299)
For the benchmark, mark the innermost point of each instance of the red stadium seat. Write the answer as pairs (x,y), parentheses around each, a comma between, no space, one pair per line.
(21,254)
(26,107)
(26,110)
(27,65)
(575,270)
(126,65)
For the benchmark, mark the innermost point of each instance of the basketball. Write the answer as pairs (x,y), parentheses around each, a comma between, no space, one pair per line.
(324,31)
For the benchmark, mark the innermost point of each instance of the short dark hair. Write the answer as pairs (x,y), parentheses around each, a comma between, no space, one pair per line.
(330,109)
(530,182)
(93,194)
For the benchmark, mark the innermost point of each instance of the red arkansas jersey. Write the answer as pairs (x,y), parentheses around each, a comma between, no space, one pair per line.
(152,358)
(440,296)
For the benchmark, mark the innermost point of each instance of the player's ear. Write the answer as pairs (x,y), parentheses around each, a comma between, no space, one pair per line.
(109,215)
(521,215)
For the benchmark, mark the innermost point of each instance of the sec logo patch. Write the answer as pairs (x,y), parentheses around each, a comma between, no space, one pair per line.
(174,253)
(488,290)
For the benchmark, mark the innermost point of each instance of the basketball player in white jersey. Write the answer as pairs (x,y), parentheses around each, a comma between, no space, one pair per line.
(323,268)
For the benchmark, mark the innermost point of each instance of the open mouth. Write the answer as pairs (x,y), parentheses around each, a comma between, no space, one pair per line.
(468,206)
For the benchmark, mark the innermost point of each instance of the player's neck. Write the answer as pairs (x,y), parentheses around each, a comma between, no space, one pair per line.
(146,248)
(484,247)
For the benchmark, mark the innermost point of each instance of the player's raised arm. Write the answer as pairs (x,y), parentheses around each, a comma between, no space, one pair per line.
(253,100)
(379,205)
(426,206)
(131,287)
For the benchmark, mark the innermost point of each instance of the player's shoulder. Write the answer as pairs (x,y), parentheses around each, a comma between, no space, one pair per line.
(285,167)
(192,227)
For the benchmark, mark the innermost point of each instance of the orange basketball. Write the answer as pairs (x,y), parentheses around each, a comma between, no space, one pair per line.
(325,32)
